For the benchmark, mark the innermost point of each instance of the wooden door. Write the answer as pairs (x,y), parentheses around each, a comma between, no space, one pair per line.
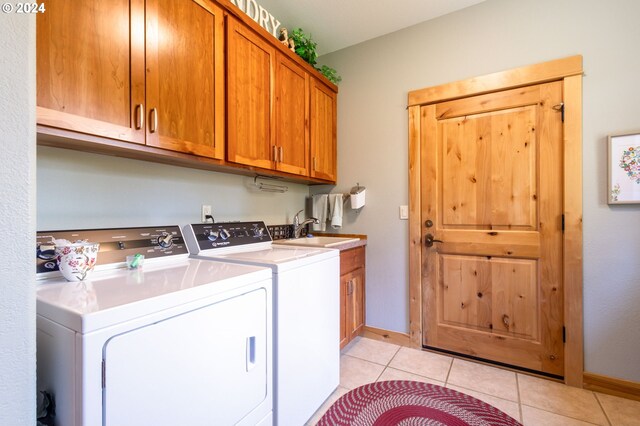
(292,117)
(90,67)
(492,192)
(251,61)
(323,131)
(185,77)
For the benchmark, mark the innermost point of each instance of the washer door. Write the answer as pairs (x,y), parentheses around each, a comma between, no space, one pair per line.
(204,367)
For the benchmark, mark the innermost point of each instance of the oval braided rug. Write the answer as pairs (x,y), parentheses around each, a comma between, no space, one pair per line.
(408,403)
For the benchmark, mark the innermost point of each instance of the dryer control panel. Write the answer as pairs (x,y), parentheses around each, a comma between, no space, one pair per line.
(229,234)
(115,244)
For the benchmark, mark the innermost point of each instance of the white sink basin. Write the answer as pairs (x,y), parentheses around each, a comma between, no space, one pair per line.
(317,241)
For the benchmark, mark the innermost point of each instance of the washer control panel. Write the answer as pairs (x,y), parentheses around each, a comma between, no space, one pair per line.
(115,244)
(229,234)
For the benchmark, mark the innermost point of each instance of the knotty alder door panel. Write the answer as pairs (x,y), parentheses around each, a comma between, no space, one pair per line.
(250,122)
(323,132)
(492,189)
(292,117)
(90,67)
(185,77)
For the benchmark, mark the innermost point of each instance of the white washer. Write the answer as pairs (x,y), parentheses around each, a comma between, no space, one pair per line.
(178,342)
(306,291)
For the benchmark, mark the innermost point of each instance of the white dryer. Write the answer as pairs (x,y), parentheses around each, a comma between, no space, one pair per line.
(306,295)
(178,342)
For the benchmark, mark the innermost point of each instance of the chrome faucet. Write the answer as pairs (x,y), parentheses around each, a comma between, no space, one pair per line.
(299,226)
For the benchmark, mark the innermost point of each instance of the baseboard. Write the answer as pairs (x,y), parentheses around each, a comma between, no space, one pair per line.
(394,337)
(611,386)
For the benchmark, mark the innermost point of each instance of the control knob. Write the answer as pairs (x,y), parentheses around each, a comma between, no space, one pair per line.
(165,240)
(258,232)
(224,234)
(212,235)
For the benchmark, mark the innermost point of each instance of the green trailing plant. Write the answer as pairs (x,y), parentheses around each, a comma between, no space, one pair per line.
(306,49)
(305,46)
(330,73)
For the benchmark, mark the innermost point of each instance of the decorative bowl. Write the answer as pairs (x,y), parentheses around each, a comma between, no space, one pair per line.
(76,260)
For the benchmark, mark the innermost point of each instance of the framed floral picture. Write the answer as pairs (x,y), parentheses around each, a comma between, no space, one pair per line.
(624,169)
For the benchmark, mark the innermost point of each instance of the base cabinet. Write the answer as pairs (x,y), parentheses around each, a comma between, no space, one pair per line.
(352,294)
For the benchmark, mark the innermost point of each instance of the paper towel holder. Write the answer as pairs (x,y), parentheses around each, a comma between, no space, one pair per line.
(354,191)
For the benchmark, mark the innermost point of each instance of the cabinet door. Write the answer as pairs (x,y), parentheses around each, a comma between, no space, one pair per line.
(356,308)
(323,131)
(90,67)
(251,61)
(292,117)
(185,76)
(345,336)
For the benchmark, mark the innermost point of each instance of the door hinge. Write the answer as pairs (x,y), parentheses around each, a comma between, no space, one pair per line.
(563,222)
(564,334)
(103,374)
(560,108)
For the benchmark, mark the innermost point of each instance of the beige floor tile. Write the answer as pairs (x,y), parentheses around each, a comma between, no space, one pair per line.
(621,411)
(483,378)
(371,350)
(534,417)
(422,363)
(325,406)
(394,374)
(356,372)
(509,407)
(560,399)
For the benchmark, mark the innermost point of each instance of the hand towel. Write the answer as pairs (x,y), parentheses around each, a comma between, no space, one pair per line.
(319,211)
(336,207)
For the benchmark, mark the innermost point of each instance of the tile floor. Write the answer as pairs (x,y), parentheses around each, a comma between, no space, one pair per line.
(531,400)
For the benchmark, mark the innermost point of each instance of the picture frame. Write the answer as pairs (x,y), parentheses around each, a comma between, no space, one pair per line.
(624,169)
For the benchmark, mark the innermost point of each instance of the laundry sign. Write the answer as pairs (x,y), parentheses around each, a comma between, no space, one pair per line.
(258,14)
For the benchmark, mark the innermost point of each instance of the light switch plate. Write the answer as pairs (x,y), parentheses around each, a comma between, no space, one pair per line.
(404,212)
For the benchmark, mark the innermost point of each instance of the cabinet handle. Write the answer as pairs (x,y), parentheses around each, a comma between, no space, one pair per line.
(281,154)
(153,126)
(139,116)
(275,154)
(315,164)
(349,287)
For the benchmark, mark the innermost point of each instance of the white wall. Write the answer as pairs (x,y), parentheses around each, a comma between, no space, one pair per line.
(17,220)
(80,190)
(493,36)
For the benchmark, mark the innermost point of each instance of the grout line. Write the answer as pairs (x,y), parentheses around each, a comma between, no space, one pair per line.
(561,415)
(606,416)
(446,380)
(394,355)
(519,398)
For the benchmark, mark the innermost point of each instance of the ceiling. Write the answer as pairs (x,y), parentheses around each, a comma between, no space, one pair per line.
(336,24)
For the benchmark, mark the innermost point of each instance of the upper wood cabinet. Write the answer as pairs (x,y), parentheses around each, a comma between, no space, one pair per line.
(90,67)
(91,75)
(193,83)
(250,74)
(323,121)
(185,76)
(292,117)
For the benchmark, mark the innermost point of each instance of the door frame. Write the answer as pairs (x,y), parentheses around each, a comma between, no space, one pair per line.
(569,71)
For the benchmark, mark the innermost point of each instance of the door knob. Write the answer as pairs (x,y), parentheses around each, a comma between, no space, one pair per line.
(429,240)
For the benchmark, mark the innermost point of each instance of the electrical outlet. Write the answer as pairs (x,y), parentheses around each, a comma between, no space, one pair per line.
(206,211)
(404,212)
